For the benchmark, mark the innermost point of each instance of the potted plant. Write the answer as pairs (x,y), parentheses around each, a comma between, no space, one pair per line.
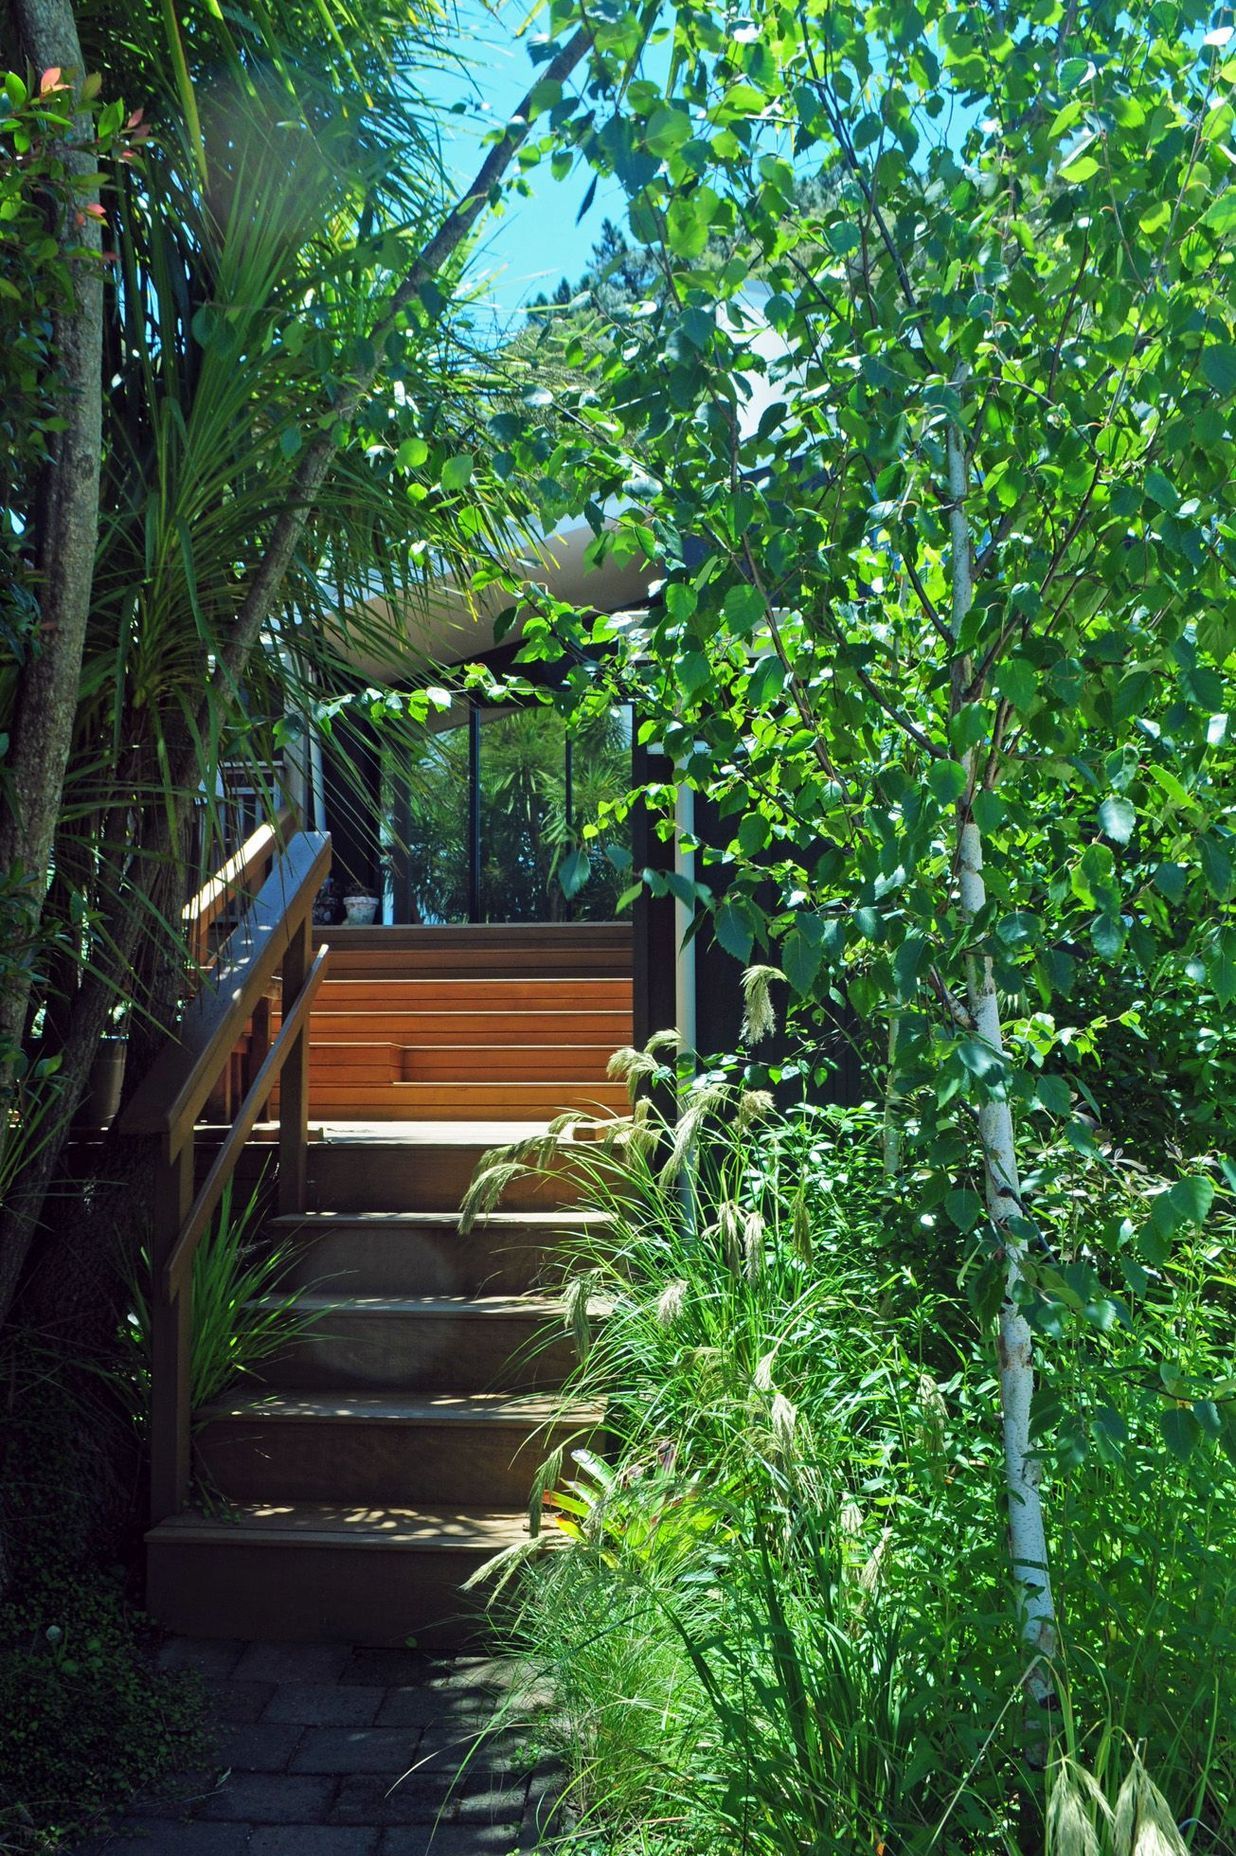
(101,1100)
(361,910)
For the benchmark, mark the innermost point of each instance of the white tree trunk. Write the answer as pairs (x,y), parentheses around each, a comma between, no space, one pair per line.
(892,1106)
(1022,1469)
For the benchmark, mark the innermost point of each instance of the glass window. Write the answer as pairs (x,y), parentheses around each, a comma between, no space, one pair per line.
(537,786)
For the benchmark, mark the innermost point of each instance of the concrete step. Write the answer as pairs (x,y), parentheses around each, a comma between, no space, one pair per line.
(340,1099)
(428,1344)
(327,1573)
(393,1253)
(314,1445)
(433,1171)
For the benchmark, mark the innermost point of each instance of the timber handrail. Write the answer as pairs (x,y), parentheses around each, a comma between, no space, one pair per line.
(176,1270)
(275,934)
(236,877)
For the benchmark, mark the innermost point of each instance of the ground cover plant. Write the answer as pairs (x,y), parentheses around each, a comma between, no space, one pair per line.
(780,1621)
(86,1718)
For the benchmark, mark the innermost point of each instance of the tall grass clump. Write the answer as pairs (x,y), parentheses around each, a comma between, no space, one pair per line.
(778,1617)
(243,1315)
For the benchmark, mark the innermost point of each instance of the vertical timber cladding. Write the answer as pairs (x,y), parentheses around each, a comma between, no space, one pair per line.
(718,976)
(354,804)
(653,952)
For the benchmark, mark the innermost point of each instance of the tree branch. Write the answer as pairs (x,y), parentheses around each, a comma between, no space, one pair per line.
(267,578)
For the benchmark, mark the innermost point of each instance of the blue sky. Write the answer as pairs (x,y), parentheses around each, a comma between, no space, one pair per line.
(536,241)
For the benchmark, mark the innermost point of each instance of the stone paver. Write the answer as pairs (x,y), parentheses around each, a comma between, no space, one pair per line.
(269,1798)
(453,1840)
(417,1799)
(239,1701)
(268,1747)
(210,1656)
(326,1704)
(291,1662)
(313,1840)
(413,1707)
(321,1750)
(160,1837)
(356,1749)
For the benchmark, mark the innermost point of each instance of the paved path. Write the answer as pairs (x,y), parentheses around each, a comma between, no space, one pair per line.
(325,1751)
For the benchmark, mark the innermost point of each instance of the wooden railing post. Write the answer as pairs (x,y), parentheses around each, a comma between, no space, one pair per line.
(276,933)
(294,1083)
(171,1325)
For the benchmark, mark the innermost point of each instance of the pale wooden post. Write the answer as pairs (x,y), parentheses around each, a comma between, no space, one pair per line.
(258,1046)
(294,1082)
(171,1338)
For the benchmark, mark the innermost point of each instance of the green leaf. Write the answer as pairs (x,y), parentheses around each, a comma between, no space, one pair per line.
(989,811)
(1108,934)
(983,1063)
(1220,216)
(1171,880)
(573,873)
(1020,929)
(1221,966)
(457,471)
(802,953)
(1162,489)
(964,1207)
(907,962)
(743,608)
(1219,368)
(667,130)
(1192,1198)
(1153,1246)
(753,834)
(1079,168)
(947,780)
(1203,687)
(290,440)
(1117,818)
(1133,694)
(1017,682)
(694,672)
(1053,1094)
(413,452)
(688,221)
(1227,1436)
(1181,1430)
(1216,867)
(1186,1203)
(733,932)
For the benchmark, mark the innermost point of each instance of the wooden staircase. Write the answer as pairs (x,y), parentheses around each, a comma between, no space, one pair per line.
(391,1450)
(457,1024)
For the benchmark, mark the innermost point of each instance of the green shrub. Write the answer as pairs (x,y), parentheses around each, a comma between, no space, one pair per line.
(782,1621)
(86,1720)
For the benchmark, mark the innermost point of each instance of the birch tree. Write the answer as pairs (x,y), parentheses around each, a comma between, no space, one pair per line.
(937,473)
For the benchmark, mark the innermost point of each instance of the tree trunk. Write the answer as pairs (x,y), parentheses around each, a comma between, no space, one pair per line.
(1022,1470)
(45,706)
